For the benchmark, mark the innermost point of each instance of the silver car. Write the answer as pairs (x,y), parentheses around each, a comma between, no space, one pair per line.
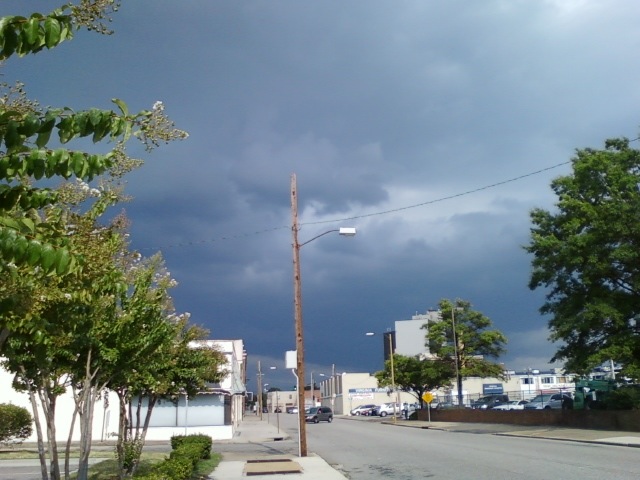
(548,401)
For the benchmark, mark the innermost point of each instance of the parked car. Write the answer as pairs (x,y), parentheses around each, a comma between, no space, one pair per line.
(362,408)
(385,409)
(511,405)
(489,401)
(319,414)
(548,401)
(292,409)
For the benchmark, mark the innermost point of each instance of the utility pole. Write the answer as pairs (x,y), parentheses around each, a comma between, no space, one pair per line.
(297,300)
(455,352)
(260,389)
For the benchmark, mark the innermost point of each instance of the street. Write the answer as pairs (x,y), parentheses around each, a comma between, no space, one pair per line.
(367,449)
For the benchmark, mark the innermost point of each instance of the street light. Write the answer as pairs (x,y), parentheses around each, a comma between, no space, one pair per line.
(297,300)
(313,390)
(393,373)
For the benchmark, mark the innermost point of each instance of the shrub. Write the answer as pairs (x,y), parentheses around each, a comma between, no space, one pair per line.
(186,452)
(625,398)
(16,423)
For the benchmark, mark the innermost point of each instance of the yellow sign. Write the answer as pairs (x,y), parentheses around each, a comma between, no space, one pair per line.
(427,397)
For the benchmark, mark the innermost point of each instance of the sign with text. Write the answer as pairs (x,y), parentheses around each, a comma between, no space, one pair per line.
(492,388)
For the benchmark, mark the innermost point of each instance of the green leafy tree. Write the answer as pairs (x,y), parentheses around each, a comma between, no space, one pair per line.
(75,313)
(464,338)
(586,257)
(184,364)
(15,423)
(416,375)
(36,144)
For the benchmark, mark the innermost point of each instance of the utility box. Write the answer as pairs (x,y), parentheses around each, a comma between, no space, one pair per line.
(290,359)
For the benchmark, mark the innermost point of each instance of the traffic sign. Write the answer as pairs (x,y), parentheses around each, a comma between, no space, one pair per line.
(427,397)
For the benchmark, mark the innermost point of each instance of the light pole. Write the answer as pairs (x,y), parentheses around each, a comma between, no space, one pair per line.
(313,390)
(455,352)
(297,300)
(260,389)
(393,371)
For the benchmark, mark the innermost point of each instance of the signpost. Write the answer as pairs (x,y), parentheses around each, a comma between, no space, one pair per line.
(428,398)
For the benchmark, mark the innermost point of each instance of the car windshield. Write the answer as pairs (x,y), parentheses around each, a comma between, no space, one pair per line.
(312,410)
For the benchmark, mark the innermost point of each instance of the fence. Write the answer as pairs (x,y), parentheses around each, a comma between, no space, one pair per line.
(451,400)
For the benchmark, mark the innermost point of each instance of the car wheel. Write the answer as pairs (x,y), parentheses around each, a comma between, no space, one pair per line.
(315,420)
(330,419)
(547,407)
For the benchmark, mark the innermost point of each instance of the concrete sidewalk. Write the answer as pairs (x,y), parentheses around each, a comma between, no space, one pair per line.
(254,430)
(605,437)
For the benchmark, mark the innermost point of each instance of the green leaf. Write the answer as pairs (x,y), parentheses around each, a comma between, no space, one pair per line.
(63,261)
(51,32)
(37,163)
(30,125)
(121,105)
(44,133)
(9,39)
(79,164)
(48,256)
(32,29)
(33,252)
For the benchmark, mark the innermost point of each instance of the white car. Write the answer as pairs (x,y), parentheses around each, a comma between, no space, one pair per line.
(388,409)
(362,409)
(512,405)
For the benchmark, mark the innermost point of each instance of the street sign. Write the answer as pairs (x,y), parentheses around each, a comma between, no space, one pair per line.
(427,397)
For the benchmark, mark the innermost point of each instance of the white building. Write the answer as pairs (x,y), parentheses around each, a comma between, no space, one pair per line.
(410,337)
(215,412)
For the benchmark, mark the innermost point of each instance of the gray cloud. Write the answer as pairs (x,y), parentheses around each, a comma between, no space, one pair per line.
(376,107)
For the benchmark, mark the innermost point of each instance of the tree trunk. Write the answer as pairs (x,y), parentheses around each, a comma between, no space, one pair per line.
(42,454)
(67,451)
(143,435)
(48,401)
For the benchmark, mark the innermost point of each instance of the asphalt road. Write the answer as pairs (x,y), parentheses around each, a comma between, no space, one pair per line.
(367,449)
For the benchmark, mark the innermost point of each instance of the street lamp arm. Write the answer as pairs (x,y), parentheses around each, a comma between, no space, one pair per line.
(317,236)
(345,231)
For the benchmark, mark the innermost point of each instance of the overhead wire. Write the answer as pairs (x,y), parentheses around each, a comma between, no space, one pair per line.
(366,215)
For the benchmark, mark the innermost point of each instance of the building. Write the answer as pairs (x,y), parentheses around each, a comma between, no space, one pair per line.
(345,391)
(410,336)
(217,411)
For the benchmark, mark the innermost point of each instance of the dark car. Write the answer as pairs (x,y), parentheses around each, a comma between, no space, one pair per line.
(489,401)
(319,414)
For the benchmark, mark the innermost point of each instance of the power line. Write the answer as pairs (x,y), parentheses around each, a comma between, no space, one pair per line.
(366,215)
(442,199)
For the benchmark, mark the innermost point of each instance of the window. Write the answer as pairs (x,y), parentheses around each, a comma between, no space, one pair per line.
(528,381)
(547,380)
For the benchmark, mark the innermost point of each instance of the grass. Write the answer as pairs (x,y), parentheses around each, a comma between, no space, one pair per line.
(106,468)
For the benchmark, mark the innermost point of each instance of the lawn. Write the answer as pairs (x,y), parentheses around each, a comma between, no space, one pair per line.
(105,469)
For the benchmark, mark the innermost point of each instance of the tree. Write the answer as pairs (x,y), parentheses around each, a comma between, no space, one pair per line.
(467,347)
(586,256)
(34,147)
(15,423)
(416,375)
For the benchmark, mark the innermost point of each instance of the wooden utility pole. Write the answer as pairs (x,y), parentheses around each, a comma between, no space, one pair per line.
(297,300)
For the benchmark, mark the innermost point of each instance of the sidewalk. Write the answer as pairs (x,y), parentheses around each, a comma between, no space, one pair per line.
(605,437)
(254,430)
